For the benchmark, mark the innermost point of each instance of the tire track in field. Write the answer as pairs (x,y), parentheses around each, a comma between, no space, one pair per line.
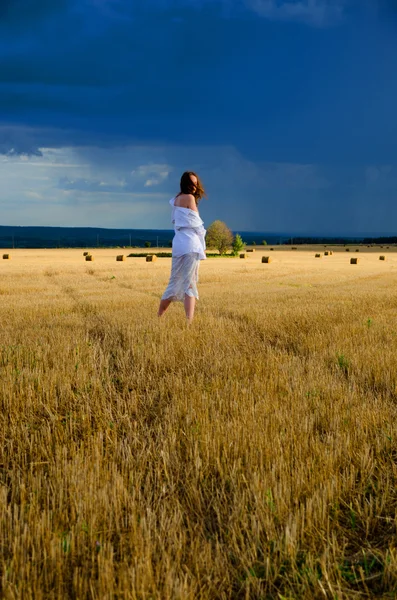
(126,376)
(251,331)
(152,403)
(111,340)
(368,383)
(123,285)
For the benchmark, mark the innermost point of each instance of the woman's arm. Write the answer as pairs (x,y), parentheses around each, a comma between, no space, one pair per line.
(191,202)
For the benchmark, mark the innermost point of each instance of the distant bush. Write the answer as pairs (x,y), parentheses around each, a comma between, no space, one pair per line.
(238,244)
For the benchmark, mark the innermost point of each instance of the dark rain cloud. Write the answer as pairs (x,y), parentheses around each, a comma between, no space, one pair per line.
(87,72)
(16,141)
(22,12)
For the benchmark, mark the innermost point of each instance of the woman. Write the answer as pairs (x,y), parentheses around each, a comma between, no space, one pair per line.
(188,246)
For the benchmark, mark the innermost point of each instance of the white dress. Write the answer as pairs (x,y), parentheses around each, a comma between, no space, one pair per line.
(188,248)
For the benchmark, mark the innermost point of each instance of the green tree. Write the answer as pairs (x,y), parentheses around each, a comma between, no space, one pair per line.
(264,243)
(148,244)
(238,244)
(219,236)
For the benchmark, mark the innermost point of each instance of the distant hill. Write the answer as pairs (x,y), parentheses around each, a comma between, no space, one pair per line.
(90,237)
(80,237)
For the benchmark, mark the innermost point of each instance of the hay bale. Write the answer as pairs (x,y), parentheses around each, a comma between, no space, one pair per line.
(357,250)
(317,256)
(6,257)
(347,249)
(271,248)
(120,257)
(243,255)
(89,257)
(330,252)
(250,249)
(382,257)
(85,253)
(326,253)
(294,248)
(266,259)
(151,257)
(354,261)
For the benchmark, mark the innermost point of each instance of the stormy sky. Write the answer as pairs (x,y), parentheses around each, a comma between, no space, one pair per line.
(286,109)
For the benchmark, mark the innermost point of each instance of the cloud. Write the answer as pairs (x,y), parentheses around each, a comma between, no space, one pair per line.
(312,12)
(106,13)
(18,11)
(108,187)
(17,141)
(152,175)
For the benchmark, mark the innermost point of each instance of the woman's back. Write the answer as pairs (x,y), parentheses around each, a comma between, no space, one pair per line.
(185,201)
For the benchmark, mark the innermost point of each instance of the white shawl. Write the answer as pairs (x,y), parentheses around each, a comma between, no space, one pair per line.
(189,231)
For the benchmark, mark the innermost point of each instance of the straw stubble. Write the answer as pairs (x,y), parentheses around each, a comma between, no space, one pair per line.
(249,456)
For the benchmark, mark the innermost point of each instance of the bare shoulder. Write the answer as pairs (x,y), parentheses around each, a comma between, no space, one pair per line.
(186,201)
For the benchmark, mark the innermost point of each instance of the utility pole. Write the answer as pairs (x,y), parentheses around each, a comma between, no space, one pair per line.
(130,241)
(157,241)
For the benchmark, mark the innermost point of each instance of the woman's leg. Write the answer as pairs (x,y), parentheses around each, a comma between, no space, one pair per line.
(164,304)
(189,303)
(190,300)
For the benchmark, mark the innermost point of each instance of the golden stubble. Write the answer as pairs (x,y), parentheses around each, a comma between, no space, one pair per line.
(251,455)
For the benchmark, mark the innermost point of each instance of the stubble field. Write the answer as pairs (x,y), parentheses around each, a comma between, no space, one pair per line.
(250,456)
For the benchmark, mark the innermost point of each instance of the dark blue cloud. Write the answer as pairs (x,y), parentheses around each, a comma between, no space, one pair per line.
(183,73)
(20,13)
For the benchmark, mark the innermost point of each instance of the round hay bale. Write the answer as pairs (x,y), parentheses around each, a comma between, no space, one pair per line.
(347,249)
(326,253)
(354,261)
(89,257)
(151,257)
(271,248)
(243,255)
(294,248)
(85,253)
(357,250)
(120,257)
(250,249)
(6,257)
(382,257)
(317,256)
(266,259)
(330,252)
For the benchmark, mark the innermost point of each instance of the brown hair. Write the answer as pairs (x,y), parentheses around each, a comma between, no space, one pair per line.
(187,186)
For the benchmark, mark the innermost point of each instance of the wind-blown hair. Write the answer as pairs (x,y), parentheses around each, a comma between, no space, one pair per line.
(187,186)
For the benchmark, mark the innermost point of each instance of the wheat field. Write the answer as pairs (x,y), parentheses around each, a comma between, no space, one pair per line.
(252,455)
